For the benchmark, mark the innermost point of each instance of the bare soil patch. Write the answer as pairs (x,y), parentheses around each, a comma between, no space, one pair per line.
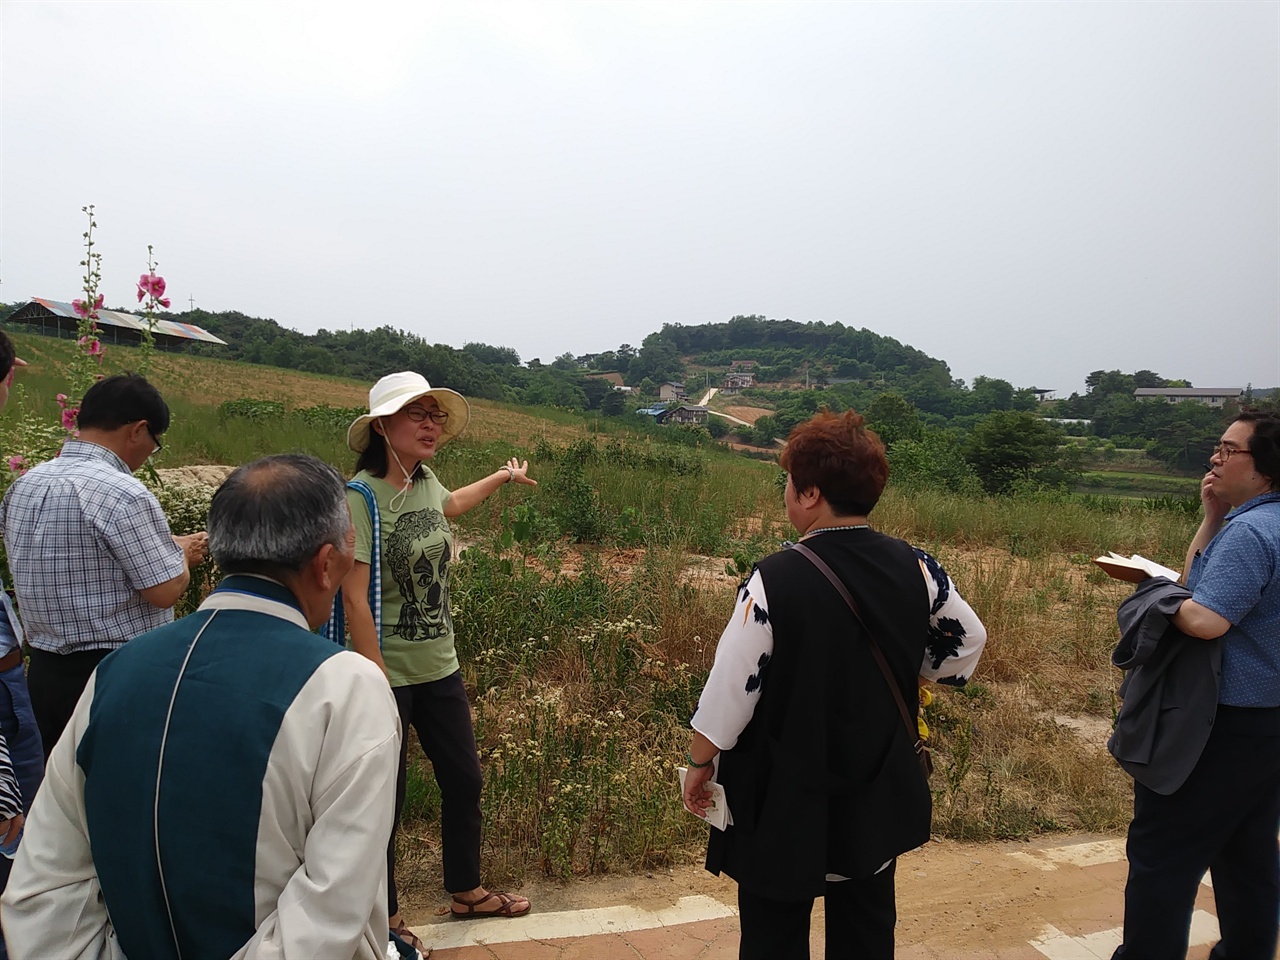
(749,414)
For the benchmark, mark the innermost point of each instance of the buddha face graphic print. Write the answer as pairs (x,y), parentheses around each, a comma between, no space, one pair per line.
(417,555)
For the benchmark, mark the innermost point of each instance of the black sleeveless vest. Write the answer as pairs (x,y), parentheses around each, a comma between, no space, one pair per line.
(824,778)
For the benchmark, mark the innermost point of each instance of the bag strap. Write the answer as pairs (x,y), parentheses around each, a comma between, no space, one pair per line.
(335,628)
(913,731)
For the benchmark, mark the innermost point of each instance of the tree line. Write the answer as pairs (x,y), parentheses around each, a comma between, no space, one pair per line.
(989,433)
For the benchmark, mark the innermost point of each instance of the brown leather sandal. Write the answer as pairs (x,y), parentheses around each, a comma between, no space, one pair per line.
(402,931)
(509,905)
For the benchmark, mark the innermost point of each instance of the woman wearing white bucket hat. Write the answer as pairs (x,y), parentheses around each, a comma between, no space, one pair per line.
(398,611)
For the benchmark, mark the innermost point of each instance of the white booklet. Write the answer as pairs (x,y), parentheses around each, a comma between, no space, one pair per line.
(1134,569)
(718,814)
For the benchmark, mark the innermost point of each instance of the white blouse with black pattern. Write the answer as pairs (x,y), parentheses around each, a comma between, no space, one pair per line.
(956,639)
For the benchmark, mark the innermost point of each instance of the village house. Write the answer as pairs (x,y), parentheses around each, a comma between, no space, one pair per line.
(737,382)
(1210,396)
(671,390)
(685,413)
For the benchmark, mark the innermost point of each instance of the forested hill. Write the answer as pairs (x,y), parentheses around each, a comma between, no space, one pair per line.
(843,352)
(784,351)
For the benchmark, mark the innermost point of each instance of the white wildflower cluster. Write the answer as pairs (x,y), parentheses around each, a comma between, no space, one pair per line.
(625,626)
(185,505)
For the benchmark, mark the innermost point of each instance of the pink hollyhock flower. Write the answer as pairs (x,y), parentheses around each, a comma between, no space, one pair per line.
(62,401)
(164,302)
(150,284)
(82,308)
(95,348)
(69,419)
(17,465)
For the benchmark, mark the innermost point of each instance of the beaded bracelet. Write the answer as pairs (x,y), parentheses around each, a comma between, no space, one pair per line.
(694,763)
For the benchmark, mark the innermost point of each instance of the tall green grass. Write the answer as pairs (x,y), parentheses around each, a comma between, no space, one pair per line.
(1037,525)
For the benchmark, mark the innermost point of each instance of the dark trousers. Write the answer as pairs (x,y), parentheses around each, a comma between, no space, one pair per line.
(860,917)
(441,714)
(1224,819)
(25,751)
(56,681)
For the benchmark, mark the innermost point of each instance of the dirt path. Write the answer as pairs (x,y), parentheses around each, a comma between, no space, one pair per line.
(1059,897)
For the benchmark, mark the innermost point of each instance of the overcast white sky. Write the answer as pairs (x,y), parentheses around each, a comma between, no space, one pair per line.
(1025,190)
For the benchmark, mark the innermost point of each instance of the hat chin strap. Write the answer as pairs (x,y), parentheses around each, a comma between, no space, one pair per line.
(408,478)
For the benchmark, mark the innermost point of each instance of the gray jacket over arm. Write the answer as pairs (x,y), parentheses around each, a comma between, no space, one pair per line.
(1170,689)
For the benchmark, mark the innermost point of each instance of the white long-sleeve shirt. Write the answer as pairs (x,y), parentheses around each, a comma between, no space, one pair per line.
(956,639)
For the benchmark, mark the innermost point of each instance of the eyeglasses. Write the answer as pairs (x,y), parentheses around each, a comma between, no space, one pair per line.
(154,439)
(419,414)
(1225,453)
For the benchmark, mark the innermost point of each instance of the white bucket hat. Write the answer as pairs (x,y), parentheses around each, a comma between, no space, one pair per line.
(396,391)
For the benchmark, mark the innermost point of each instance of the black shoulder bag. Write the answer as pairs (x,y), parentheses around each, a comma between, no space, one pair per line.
(913,731)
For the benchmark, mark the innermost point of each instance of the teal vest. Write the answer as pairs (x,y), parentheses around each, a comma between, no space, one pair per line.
(181,726)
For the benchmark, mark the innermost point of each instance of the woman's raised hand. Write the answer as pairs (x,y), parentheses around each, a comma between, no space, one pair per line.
(518,471)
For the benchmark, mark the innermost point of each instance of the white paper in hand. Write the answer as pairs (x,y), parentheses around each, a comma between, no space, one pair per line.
(718,814)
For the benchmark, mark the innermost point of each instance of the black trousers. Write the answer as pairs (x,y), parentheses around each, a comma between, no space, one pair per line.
(860,917)
(55,682)
(441,714)
(1224,819)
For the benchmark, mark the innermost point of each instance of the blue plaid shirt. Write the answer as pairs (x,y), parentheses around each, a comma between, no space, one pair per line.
(84,536)
(1238,578)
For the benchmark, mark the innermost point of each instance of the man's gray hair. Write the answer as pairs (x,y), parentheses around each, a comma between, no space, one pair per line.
(276,513)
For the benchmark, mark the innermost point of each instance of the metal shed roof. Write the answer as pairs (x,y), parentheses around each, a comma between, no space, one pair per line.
(114,318)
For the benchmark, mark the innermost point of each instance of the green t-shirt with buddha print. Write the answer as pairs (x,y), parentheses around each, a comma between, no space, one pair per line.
(417,547)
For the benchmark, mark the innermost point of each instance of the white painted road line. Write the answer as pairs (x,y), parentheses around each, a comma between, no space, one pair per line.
(1077,855)
(1080,855)
(569,923)
(1056,945)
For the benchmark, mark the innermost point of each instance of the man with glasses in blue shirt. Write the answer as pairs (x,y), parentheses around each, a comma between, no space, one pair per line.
(1226,815)
(90,552)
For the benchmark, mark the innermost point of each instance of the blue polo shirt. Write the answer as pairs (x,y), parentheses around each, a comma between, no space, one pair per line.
(1238,577)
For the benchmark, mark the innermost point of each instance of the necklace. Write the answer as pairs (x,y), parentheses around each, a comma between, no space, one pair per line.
(854,526)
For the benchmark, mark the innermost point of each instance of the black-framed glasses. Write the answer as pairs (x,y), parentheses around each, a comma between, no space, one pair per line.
(154,439)
(1225,453)
(418,414)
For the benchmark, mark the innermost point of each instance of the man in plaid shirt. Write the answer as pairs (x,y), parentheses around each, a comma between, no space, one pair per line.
(90,552)
(21,756)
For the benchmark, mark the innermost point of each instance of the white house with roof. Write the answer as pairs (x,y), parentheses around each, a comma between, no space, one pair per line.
(1210,396)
